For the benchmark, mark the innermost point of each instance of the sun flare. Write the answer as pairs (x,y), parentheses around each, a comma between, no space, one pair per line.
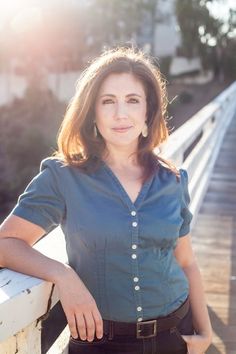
(20,14)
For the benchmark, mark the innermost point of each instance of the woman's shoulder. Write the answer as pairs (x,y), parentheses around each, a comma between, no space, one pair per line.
(52,162)
(172,173)
(58,167)
(166,171)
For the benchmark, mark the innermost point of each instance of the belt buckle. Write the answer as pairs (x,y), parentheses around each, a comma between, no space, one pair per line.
(139,329)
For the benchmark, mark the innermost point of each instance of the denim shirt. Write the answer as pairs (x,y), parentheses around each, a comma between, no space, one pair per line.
(122,251)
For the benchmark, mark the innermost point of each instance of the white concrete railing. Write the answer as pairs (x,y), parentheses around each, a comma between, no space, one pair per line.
(209,125)
(24,299)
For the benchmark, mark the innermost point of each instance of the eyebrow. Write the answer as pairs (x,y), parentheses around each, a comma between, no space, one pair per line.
(130,94)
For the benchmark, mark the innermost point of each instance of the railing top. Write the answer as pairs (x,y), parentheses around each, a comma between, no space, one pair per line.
(13,283)
(184,135)
(19,291)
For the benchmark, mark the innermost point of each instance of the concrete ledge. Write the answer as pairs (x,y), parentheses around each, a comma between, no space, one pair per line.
(24,299)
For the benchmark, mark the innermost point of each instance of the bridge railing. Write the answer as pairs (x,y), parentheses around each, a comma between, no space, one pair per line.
(195,145)
(24,299)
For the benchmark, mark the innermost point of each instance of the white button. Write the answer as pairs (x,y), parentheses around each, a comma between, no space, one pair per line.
(137,287)
(134,246)
(133,213)
(139,308)
(140,319)
(134,256)
(136,279)
(134,224)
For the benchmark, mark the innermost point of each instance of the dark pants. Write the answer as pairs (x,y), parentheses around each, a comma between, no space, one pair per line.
(165,342)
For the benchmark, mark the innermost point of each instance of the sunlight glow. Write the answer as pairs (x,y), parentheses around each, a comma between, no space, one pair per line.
(19,14)
(220,9)
(26,19)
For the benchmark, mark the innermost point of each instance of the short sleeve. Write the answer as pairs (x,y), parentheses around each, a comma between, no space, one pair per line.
(185,201)
(42,202)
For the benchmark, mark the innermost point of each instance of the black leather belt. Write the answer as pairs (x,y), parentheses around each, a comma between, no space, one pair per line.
(146,329)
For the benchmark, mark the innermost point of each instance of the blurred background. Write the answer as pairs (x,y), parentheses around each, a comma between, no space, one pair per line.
(44,45)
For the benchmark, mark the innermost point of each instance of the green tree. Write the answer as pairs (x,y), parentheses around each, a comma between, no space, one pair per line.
(197,26)
(27,135)
(118,21)
(206,36)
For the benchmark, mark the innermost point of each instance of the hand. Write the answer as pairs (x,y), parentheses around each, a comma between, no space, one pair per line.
(83,316)
(197,343)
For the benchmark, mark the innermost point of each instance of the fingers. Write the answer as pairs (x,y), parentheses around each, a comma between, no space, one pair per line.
(90,327)
(98,324)
(187,338)
(72,325)
(86,325)
(81,326)
(196,344)
(94,325)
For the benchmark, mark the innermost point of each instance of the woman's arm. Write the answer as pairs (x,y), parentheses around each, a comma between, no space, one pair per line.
(17,235)
(201,321)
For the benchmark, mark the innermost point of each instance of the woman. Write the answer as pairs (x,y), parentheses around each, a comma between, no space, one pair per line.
(132,284)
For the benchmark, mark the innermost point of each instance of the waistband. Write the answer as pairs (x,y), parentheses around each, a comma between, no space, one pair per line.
(146,329)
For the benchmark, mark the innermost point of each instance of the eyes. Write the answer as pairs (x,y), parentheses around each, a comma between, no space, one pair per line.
(111,101)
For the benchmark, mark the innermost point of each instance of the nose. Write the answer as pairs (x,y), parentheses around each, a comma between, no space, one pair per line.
(121,111)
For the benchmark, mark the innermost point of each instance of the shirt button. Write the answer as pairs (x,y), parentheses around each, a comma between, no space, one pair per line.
(133,213)
(140,319)
(134,247)
(139,308)
(134,224)
(136,279)
(137,287)
(134,256)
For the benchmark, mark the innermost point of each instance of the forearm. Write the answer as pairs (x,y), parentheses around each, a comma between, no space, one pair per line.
(17,255)
(201,320)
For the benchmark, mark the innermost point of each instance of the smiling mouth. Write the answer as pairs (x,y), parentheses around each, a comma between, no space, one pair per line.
(121,129)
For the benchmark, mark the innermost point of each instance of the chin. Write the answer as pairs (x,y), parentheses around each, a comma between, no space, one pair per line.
(123,143)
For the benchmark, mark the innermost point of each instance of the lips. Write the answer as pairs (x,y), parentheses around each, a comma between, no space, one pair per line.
(121,129)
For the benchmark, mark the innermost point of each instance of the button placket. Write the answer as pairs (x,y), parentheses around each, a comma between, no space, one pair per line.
(133,211)
(135,267)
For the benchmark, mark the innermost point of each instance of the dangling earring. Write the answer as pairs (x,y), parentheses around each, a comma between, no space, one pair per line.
(95,131)
(145,130)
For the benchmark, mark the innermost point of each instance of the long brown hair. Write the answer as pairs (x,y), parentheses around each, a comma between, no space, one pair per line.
(77,143)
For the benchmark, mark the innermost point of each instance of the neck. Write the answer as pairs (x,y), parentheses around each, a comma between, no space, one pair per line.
(120,158)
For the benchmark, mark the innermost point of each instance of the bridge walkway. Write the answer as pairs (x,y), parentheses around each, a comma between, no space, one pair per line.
(214,242)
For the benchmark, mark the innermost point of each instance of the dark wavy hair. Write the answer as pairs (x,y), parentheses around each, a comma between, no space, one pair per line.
(77,144)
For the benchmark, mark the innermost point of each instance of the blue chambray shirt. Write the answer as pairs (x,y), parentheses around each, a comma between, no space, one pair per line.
(122,251)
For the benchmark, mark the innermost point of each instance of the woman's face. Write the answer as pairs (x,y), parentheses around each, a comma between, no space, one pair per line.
(120,110)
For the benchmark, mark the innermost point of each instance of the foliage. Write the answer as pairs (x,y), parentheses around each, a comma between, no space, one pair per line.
(206,36)
(195,22)
(110,23)
(27,135)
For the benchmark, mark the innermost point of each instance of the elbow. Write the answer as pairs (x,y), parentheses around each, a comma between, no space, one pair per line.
(190,267)
(8,248)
